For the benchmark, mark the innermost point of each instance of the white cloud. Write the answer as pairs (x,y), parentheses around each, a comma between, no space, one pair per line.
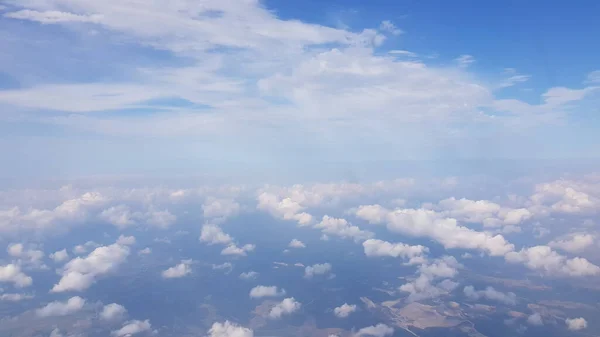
(131,328)
(119,216)
(573,243)
(126,240)
(341,227)
(180,270)
(60,255)
(12,273)
(576,323)
(82,249)
(535,319)
(266,291)
(373,247)
(220,208)
(344,310)
(56,308)
(213,234)
(56,333)
(465,60)
(227,266)
(295,243)
(286,209)
(545,260)
(229,329)
(425,286)
(233,249)
(428,223)
(145,251)
(26,256)
(402,52)
(112,312)
(491,294)
(49,17)
(317,269)
(15,297)
(80,273)
(379,330)
(389,27)
(287,306)
(250,275)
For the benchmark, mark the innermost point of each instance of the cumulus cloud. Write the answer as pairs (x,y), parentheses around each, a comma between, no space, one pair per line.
(285,208)
(295,243)
(126,240)
(250,275)
(535,319)
(229,329)
(12,273)
(57,308)
(576,323)
(145,251)
(545,260)
(213,234)
(233,249)
(112,312)
(342,228)
(180,270)
(266,291)
(379,330)
(344,310)
(287,306)
(219,208)
(131,328)
(60,255)
(25,255)
(80,273)
(491,294)
(426,285)
(12,297)
(573,243)
(373,247)
(485,212)
(428,223)
(317,269)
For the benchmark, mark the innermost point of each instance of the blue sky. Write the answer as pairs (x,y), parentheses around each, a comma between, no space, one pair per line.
(91,88)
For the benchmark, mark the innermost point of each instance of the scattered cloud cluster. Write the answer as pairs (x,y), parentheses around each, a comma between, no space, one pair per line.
(266,291)
(379,330)
(213,234)
(426,284)
(414,254)
(317,269)
(229,329)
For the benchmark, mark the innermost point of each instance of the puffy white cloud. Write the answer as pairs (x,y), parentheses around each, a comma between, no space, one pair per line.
(180,270)
(287,306)
(126,240)
(233,249)
(424,285)
(250,275)
(131,328)
(378,330)
(229,329)
(79,273)
(286,208)
(317,269)
(428,223)
(535,319)
(220,208)
(56,308)
(15,297)
(119,216)
(491,294)
(576,323)
(341,227)
(60,255)
(112,312)
(488,213)
(56,333)
(266,291)
(227,266)
(295,243)
(12,273)
(213,234)
(573,243)
(544,259)
(82,249)
(373,247)
(565,196)
(344,310)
